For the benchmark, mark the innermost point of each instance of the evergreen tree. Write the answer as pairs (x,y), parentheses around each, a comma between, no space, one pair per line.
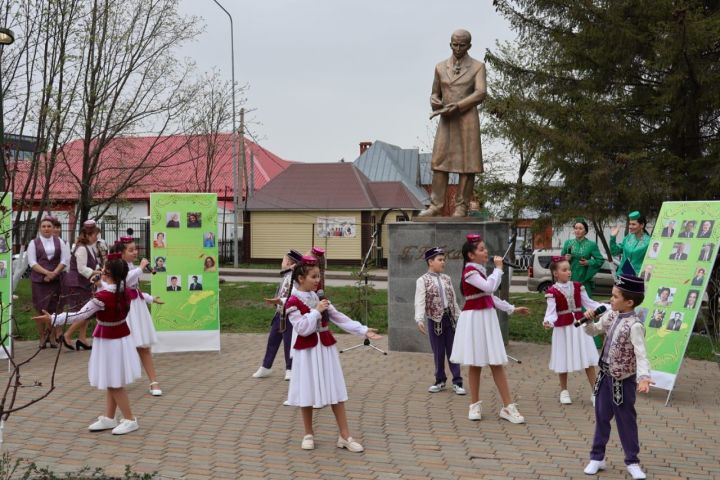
(626,99)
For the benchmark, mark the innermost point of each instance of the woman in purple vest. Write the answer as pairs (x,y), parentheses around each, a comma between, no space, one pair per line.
(47,261)
(84,266)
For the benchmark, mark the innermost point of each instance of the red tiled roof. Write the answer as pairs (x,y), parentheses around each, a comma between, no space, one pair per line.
(329,186)
(177,163)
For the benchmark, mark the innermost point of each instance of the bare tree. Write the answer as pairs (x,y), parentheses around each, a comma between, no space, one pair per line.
(208,120)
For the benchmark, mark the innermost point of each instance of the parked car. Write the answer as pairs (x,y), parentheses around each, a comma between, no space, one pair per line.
(540,279)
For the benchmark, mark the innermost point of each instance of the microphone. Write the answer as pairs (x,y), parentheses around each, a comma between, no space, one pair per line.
(150,270)
(321,294)
(598,311)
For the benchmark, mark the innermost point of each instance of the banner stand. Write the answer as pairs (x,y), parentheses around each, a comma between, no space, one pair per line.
(184,255)
(677,268)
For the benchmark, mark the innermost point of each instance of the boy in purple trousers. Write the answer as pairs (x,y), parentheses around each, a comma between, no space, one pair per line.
(624,368)
(436,313)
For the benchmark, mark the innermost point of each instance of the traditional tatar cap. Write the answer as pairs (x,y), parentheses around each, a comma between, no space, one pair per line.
(630,283)
(557,258)
(473,237)
(89,223)
(126,239)
(114,256)
(318,251)
(309,260)
(433,252)
(635,215)
(295,256)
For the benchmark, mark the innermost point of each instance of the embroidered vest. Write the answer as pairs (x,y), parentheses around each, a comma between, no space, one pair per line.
(73,277)
(42,259)
(569,307)
(111,321)
(283,289)
(475,299)
(621,353)
(433,299)
(309,341)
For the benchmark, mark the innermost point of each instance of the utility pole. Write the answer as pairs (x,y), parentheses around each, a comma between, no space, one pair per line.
(243,179)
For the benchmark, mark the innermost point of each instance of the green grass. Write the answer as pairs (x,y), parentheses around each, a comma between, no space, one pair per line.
(242,310)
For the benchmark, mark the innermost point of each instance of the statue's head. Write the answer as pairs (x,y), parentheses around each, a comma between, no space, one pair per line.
(460,43)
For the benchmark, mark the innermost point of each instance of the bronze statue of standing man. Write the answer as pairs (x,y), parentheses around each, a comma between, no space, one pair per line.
(459,87)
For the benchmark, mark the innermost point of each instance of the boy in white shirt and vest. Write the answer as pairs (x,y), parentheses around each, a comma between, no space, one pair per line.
(436,306)
(624,368)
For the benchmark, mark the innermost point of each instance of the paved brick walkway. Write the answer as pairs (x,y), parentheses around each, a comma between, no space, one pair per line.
(214,421)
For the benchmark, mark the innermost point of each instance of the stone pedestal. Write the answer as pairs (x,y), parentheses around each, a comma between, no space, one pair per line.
(408,242)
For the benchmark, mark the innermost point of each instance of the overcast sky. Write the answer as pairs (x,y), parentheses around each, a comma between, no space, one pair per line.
(325,75)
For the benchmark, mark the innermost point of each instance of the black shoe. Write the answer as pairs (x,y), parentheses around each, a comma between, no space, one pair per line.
(64,342)
(82,346)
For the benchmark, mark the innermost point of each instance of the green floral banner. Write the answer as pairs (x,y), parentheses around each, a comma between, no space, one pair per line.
(677,267)
(184,250)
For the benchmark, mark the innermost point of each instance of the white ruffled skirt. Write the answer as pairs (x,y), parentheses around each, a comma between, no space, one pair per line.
(478,340)
(114,363)
(141,324)
(317,377)
(572,350)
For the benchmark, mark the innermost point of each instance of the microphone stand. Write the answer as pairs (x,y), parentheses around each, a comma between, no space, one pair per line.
(363,277)
(512,265)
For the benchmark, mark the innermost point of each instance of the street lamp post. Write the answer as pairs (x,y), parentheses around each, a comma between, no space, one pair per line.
(236,186)
(6,38)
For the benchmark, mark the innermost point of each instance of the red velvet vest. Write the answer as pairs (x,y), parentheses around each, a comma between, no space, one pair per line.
(310,341)
(566,315)
(475,299)
(111,321)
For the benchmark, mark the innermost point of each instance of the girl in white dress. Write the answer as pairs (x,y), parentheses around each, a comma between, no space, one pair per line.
(139,319)
(478,340)
(572,350)
(317,378)
(114,361)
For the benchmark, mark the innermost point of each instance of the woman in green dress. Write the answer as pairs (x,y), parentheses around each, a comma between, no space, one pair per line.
(633,246)
(584,256)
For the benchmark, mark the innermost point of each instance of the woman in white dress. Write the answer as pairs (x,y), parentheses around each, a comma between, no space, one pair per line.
(139,319)
(572,350)
(478,340)
(317,378)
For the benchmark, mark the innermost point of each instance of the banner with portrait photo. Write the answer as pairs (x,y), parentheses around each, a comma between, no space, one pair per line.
(677,268)
(183,229)
(339,227)
(6,272)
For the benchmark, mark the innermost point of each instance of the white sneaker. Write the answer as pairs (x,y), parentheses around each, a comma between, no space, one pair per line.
(155,392)
(438,387)
(459,390)
(103,423)
(595,466)
(262,372)
(286,403)
(350,444)
(287,375)
(565,397)
(511,414)
(308,443)
(592,399)
(475,412)
(636,472)
(126,426)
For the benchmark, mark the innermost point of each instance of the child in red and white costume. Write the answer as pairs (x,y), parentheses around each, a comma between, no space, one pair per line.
(572,350)
(139,319)
(478,340)
(114,361)
(317,378)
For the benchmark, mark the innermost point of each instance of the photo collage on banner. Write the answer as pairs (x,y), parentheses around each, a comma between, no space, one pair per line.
(676,269)
(6,271)
(184,256)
